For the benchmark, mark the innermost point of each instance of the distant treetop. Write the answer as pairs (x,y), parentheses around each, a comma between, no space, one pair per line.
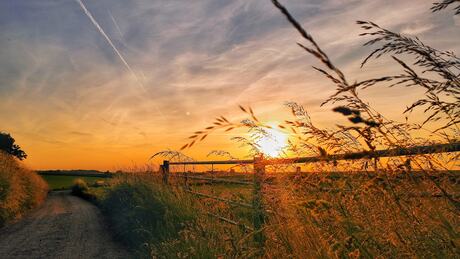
(7,145)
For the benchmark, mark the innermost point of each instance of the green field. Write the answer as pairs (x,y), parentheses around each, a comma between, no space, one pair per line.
(66,181)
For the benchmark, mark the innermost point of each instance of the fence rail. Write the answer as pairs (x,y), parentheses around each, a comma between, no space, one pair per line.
(409,151)
(217,162)
(242,204)
(230,221)
(259,164)
(212,179)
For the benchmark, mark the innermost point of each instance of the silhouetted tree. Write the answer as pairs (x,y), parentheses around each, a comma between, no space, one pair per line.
(7,145)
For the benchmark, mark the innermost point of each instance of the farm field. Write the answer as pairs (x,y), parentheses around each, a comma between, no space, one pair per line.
(58,182)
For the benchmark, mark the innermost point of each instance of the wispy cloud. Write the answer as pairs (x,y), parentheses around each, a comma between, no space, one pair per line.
(116,24)
(109,41)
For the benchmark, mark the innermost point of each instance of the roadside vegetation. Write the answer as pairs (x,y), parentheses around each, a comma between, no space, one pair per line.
(20,189)
(158,221)
(309,215)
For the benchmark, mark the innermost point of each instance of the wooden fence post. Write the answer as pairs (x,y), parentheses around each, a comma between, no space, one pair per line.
(257,202)
(165,171)
(212,173)
(161,170)
(186,180)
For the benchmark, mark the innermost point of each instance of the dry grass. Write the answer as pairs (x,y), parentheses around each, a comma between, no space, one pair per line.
(372,215)
(161,221)
(309,215)
(20,189)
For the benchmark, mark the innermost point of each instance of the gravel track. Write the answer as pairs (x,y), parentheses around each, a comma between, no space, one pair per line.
(63,227)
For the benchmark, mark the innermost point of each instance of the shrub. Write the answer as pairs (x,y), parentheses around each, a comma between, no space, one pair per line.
(20,189)
(79,187)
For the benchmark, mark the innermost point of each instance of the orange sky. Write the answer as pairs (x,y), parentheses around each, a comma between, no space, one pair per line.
(104,85)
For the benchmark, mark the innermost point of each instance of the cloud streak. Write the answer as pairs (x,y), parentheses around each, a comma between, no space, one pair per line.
(109,41)
(115,49)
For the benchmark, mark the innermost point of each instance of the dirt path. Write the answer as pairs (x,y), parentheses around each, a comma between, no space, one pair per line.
(64,227)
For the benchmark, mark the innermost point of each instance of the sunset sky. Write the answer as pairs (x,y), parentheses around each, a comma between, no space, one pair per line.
(104,84)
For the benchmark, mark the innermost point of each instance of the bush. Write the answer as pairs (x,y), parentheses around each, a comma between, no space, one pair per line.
(20,189)
(79,187)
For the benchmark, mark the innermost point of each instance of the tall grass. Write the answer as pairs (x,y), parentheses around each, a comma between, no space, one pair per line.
(309,215)
(20,189)
(160,221)
(367,215)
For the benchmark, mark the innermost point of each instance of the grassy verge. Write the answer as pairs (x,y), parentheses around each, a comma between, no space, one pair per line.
(160,221)
(20,189)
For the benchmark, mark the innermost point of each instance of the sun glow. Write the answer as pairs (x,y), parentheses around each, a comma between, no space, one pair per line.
(273,143)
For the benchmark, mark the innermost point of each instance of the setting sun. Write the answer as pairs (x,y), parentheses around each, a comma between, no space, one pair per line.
(273,143)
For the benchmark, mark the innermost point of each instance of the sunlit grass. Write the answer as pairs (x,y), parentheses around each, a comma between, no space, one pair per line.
(309,215)
(20,189)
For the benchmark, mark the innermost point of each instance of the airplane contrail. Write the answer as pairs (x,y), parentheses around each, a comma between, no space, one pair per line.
(99,28)
(123,60)
(116,24)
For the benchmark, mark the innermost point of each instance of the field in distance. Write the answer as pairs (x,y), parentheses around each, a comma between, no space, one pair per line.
(64,179)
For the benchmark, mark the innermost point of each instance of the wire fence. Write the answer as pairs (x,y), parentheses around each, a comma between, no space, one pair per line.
(259,163)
